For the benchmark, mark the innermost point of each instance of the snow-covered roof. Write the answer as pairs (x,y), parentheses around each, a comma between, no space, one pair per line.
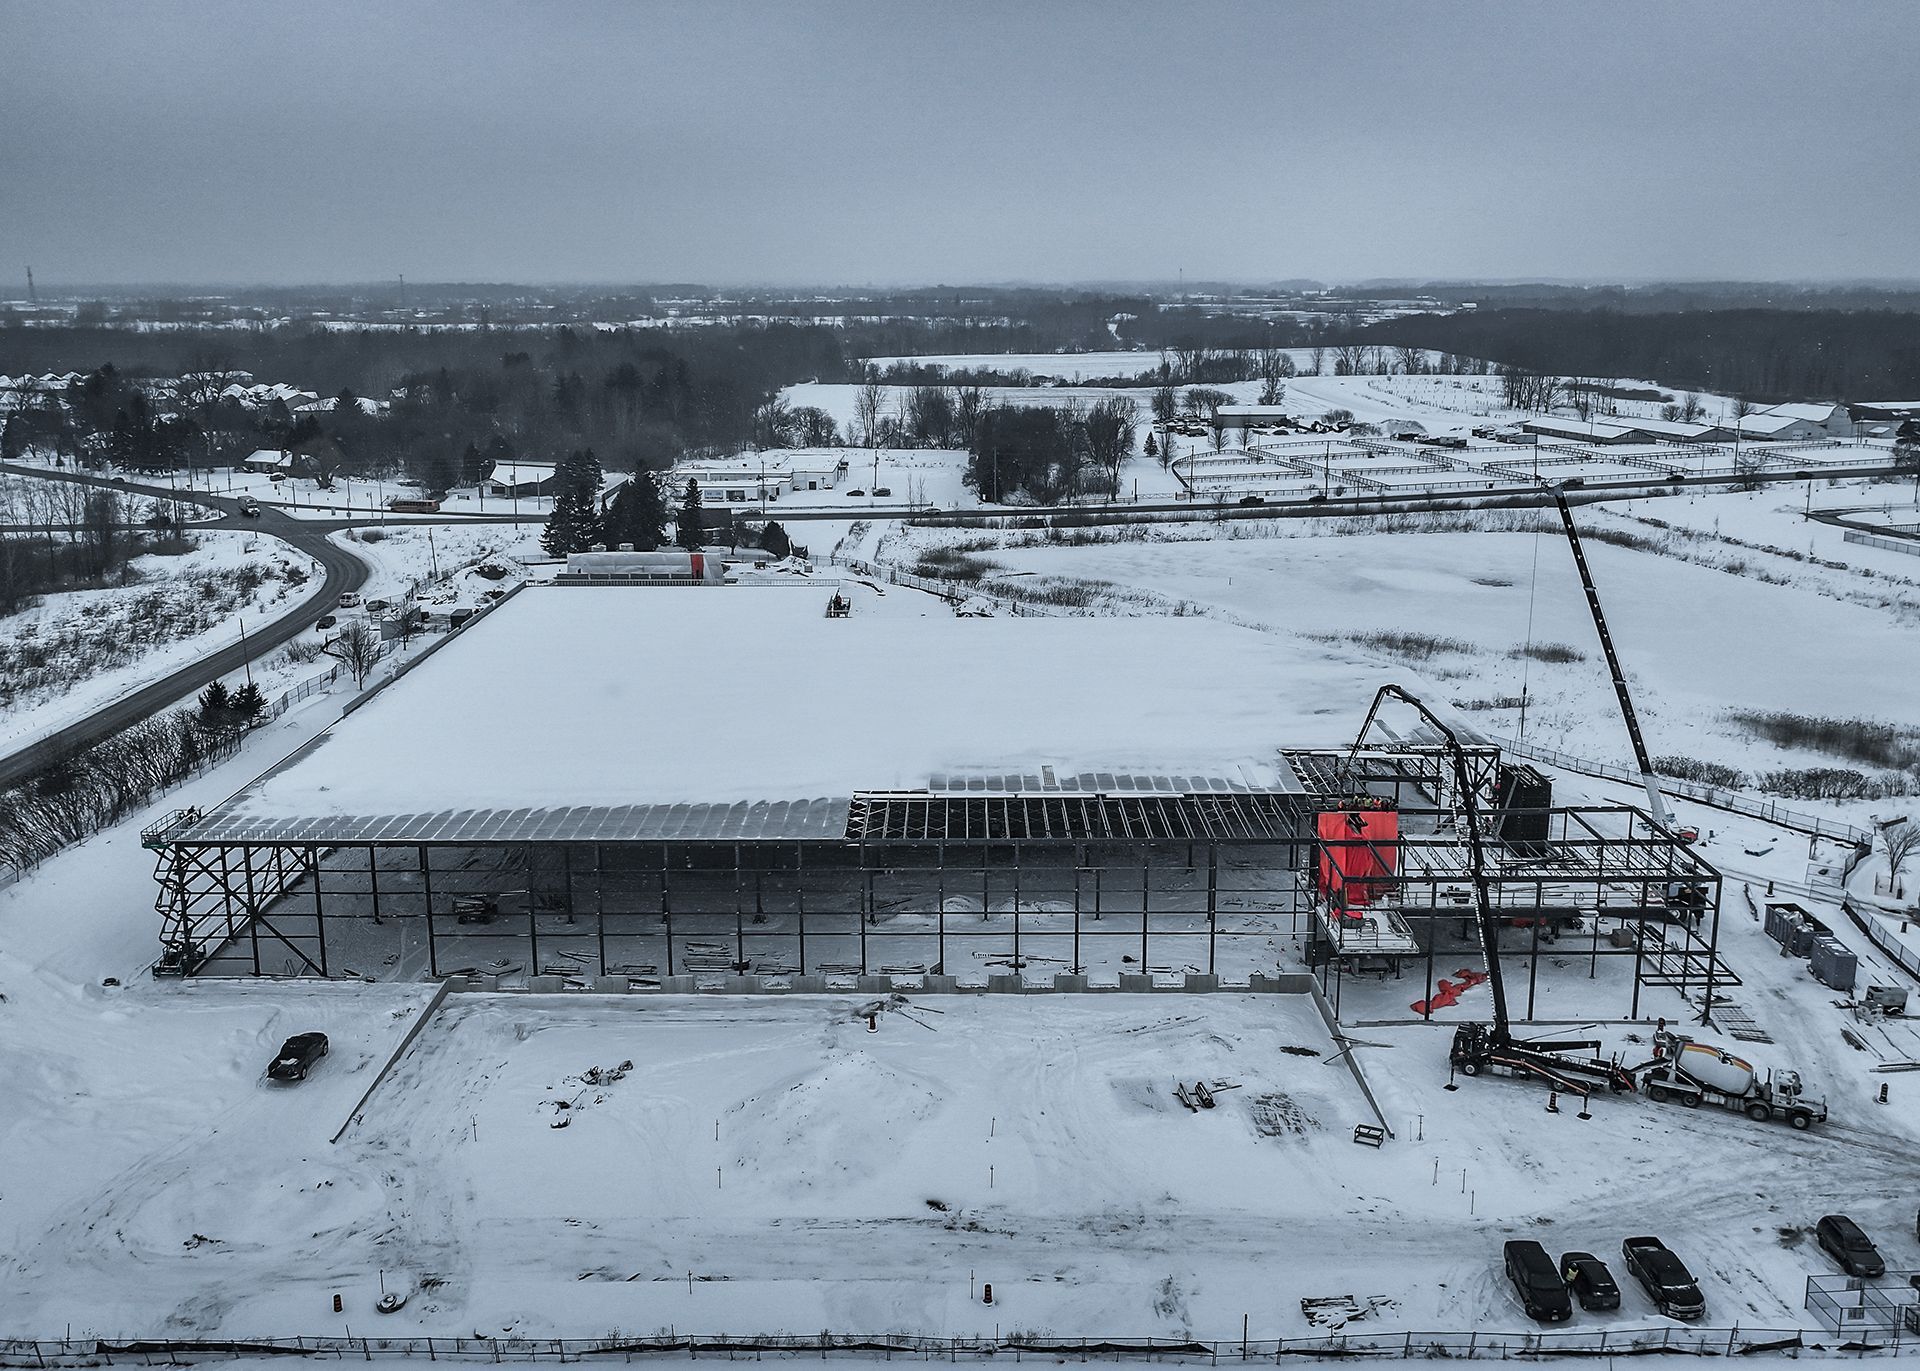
(602,721)
(1255,412)
(268,457)
(1768,421)
(1816,414)
(521,473)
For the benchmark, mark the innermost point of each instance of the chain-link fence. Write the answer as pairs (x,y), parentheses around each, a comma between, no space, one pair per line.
(1718,1342)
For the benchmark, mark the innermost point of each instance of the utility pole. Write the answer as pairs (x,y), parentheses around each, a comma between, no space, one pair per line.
(33,297)
(243,647)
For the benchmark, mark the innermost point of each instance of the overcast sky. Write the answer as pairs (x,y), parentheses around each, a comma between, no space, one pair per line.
(890,142)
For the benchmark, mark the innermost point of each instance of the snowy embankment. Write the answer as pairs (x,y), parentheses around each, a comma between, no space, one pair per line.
(441,561)
(78,650)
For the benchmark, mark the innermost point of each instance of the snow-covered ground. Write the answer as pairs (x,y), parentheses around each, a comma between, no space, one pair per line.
(770,1164)
(1705,627)
(441,561)
(77,650)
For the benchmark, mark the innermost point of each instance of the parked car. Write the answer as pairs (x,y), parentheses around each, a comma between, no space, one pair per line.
(1665,1278)
(350,600)
(882,492)
(856,494)
(297,1057)
(1846,1243)
(1590,1281)
(325,621)
(378,606)
(1542,1293)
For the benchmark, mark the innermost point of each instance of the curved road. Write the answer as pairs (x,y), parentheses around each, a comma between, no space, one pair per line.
(343,572)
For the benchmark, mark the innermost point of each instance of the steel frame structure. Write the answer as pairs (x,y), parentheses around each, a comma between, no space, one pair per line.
(656,909)
(1597,864)
(1160,883)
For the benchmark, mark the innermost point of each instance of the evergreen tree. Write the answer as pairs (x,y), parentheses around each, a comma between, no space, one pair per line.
(563,533)
(649,528)
(692,519)
(439,475)
(473,467)
(638,514)
(774,539)
(248,702)
(216,705)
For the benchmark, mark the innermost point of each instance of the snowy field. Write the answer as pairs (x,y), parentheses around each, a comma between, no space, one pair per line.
(1705,626)
(77,650)
(772,1165)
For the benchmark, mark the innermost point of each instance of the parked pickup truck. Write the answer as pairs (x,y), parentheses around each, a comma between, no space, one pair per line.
(1665,1278)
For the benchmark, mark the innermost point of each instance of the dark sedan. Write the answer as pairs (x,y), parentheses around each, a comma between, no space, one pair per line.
(298,1056)
(1590,1281)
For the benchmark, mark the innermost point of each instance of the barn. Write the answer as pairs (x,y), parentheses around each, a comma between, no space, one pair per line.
(902,792)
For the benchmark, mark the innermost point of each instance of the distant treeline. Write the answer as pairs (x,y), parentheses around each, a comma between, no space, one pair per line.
(1763,354)
(445,401)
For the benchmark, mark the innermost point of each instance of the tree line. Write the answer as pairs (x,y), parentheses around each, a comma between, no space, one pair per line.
(431,407)
(1767,355)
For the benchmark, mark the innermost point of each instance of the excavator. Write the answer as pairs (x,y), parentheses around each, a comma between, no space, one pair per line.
(1492,1047)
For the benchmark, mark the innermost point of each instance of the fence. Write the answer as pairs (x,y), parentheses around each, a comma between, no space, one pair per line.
(1907,545)
(1730,800)
(1876,928)
(1713,1342)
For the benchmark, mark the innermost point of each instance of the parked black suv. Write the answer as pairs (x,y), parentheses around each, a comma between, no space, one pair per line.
(1664,1277)
(1847,1244)
(1590,1281)
(1537,1280)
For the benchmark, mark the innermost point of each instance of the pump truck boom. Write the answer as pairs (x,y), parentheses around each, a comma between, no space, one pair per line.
(1656,806)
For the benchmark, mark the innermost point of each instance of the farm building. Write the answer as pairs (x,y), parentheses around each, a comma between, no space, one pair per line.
(1833,420)
(1237,420)
(1595,431)
(892,806)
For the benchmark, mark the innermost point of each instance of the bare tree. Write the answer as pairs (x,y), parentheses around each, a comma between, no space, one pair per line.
(1319,355)
(1902,840)
(358,648)
(1273,365)
(1111,425)
(867,404)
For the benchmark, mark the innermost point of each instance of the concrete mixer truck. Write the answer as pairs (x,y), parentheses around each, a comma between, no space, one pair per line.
(1694,1073)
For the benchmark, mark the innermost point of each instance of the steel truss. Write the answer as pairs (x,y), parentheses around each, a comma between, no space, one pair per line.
(1597,865)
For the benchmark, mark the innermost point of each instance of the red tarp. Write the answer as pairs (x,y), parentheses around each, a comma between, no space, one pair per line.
(1357,846)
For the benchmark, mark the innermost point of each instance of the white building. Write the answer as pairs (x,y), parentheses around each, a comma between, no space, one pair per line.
(1769,427)
(518,480)
(763,477)
(268,459)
